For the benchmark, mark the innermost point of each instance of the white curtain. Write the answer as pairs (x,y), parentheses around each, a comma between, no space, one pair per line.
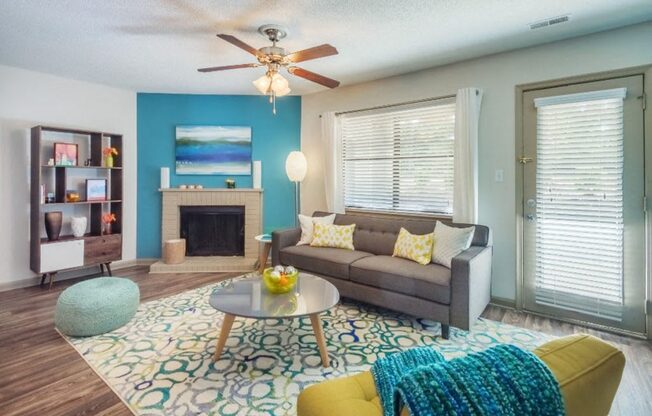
(465,192)
(332,155)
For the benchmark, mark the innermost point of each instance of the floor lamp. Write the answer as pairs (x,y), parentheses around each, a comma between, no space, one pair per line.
(296,168)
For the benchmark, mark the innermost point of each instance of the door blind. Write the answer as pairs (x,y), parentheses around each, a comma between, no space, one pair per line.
(400,158)
(579,205)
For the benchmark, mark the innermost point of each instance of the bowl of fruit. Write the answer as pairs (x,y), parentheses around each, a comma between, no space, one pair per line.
(280,279)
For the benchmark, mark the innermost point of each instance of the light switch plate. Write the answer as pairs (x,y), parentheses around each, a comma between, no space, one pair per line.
(500,175)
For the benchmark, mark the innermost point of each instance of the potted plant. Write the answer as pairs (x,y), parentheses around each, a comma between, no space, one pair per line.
(108,219)
(108,153)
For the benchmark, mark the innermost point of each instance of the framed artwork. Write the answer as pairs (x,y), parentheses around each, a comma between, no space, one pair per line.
(213,150)
(96,189)
(65,154)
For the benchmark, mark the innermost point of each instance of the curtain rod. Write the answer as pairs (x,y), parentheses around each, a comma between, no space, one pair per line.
(423,100)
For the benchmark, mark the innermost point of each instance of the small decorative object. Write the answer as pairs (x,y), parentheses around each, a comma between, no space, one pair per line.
(42,194)
(78,225)
(53,224)
(230,183)
(191,186)
(65,154)
(49,199)
(213,150)
(183,186)
(174,251)
(50,162)
(290,270)
(278,282)
(279,268)
(257,174)
(72,196)
(199,186)
(96,189)
(87,162)
(108,153)
(108,219)
(165,178)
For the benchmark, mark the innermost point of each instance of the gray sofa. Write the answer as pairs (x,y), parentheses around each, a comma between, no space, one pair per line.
(455,296)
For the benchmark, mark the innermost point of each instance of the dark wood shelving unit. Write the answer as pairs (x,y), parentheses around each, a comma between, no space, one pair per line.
(94,248)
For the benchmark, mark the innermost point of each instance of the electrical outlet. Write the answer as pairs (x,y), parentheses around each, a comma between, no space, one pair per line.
(500,175)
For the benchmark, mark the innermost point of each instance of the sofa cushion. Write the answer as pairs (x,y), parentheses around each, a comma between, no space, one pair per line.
(323,260)
(430,282)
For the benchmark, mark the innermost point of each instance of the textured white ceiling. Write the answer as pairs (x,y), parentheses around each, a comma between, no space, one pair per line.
(156,45)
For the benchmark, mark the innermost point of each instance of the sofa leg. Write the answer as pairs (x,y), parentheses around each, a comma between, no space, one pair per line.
(445,331)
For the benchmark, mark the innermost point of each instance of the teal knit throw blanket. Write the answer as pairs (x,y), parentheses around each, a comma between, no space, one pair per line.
(388,371)
(504,380)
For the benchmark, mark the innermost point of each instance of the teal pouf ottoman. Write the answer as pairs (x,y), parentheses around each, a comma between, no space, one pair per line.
(96,306)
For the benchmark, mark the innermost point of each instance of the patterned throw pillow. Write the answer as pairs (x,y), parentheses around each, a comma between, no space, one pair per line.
(449,242)
(331,235)
(307,226)
(413,247)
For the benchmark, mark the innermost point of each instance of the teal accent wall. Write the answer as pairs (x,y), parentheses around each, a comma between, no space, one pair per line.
(273,137)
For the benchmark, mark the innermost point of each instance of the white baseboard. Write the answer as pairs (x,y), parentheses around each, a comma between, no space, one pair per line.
(73,274)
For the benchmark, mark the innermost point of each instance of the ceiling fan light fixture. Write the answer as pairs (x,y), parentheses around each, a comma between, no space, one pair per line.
(273,58)
(262,84)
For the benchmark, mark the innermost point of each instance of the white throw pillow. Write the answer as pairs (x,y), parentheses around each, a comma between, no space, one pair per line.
(449,242)
(307,225)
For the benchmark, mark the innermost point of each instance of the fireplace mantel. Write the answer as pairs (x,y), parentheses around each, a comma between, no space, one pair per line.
(173,198)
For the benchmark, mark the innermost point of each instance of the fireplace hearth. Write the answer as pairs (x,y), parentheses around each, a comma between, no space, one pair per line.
(213,230)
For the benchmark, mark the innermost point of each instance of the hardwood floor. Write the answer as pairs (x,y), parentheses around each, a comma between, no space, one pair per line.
(41,374)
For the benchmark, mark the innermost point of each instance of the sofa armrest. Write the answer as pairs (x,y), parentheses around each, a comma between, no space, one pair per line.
(470,285)
(283,238)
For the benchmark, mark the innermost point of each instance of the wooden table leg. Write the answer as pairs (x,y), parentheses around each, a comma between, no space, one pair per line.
(264,255)
(227,323)
(319,336)
(108,268)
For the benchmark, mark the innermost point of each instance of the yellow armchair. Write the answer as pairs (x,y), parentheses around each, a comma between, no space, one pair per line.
(588,371)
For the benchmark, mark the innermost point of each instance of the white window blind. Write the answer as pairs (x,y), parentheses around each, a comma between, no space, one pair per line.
(399,158)
(579,182)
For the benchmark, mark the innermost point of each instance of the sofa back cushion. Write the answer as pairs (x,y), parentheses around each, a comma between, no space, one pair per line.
(377,235)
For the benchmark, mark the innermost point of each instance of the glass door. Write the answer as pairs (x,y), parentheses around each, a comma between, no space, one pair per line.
(584,213)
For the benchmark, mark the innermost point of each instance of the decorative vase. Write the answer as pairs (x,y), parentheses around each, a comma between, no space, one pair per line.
(107,228)
(108,161)
(53,224)
(78,225)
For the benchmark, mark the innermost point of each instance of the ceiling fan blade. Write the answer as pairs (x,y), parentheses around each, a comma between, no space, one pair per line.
(240,44)
(312,53)
(311,76)
(224,68)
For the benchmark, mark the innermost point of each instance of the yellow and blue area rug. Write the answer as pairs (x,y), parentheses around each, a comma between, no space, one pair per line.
(161,362)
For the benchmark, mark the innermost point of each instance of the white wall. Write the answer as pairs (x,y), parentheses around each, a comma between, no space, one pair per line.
(497,75)
(28,99)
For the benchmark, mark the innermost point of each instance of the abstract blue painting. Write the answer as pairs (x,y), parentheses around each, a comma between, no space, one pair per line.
(213,150)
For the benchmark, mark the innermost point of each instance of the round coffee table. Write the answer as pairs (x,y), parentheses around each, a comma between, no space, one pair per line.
(249,298)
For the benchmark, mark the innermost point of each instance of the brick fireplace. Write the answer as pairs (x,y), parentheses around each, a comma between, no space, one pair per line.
(173,200)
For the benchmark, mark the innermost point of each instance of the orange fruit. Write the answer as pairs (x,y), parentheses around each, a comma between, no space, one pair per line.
(284,281)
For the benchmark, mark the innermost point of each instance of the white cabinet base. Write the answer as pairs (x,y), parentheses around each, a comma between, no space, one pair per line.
(62,255)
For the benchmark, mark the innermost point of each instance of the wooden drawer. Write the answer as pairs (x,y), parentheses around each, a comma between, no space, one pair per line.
(102,249)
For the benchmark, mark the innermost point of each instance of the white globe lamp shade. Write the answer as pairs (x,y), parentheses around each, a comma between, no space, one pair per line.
(296,166)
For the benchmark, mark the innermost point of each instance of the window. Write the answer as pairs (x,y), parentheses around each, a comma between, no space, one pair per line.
(400,158)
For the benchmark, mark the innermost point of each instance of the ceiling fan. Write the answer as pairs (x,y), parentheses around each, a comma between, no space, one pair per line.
(274,58)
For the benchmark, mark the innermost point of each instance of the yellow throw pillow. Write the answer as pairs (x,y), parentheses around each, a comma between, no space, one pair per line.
(414,247)
(331,235)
